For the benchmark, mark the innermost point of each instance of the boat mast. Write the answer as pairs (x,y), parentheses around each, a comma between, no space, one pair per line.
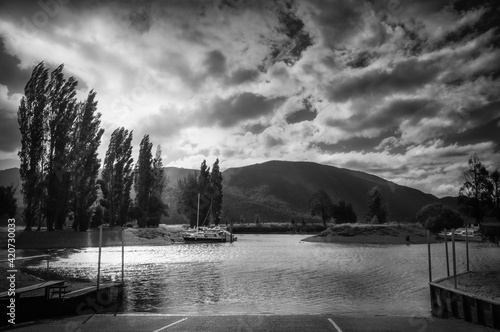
(198,214)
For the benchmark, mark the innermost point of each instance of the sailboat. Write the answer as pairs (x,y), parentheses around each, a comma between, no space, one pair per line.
(207,234)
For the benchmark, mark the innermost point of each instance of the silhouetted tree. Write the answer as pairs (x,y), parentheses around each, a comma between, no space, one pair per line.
(205,190)
(8,203)
(187,197)
(118,175)
(157,206)
(98,217)
(475,195)
(495,181)
(60,114)
(321,204)
(32,126)
(375,206)
(85,164)
(436,217)
(143,182)
(217,194)
(343,213)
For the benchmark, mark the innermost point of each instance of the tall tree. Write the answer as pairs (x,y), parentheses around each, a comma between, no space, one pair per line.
(60,114)
(321,204)
(157,206)
(118,175)
(495,182)
(217,194)
(85,164)
(143,183)
(475,195)
(375,206)
(205,190)
(31,126)
(187,197)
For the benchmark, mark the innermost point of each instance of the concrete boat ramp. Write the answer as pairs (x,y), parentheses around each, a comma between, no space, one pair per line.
(149,322)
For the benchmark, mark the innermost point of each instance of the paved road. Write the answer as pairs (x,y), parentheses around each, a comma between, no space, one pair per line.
(247,323)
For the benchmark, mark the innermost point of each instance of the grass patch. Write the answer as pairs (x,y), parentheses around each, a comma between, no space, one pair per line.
(277,228)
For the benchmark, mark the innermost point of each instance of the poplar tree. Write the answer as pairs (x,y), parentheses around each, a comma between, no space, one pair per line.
(143,181)
(31,155)
(59,141)
(85,164)
(204,188)
(157,207)
(187,197)
(217,195)
(118,175)
(60,114)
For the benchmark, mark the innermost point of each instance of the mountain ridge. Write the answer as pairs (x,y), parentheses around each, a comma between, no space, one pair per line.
(280,190)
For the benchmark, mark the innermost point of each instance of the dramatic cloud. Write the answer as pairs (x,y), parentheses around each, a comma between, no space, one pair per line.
(406,90)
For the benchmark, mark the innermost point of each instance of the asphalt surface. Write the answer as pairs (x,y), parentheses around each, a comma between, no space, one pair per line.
(249,323)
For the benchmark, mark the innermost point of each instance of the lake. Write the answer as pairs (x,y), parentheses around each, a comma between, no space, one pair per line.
(276,274)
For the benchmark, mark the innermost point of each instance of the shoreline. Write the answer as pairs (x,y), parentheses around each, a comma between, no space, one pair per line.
(70,239)
(390,234)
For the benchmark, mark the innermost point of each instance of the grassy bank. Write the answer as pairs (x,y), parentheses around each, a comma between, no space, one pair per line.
(277,228)
(392,233)
(68,238)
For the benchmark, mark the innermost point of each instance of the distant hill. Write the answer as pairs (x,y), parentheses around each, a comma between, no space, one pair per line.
(280,190)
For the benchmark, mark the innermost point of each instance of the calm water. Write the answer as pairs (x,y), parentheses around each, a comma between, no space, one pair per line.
(275,274)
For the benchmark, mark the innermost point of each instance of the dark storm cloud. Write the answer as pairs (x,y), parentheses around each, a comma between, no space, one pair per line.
(483,114)
(256,128)
(272,142)
(242,75)
(307,113)
(389,116)
(215,63)
(293,40)
(10,74)
(357,144)
(336,20)
(10,139)
(244,106)
(140,18)
(405,76)
(481,124)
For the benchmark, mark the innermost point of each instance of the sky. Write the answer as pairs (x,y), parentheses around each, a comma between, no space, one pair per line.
(403,89)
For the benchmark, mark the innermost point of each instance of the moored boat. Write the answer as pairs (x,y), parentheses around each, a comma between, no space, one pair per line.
(206,234)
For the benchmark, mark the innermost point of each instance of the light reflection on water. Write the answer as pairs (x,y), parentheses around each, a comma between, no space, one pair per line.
(275,274)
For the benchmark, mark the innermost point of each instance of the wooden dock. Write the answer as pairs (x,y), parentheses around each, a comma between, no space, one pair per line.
(452,302)
(52,299)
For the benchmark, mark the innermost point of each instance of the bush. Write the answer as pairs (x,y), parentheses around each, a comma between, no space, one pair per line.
(436,217)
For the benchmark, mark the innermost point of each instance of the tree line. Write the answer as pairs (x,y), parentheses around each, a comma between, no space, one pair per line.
(59,164)
(478,198)
(320,204)
(199,197)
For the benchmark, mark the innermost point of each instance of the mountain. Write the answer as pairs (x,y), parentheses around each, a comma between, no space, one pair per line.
(280,190)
